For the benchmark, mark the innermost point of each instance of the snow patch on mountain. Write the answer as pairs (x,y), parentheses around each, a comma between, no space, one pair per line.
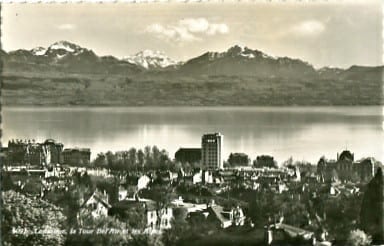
(58,56)
(64,47)
(39,51)
(240,51)
(61,46)
(151,59)
(215,55)
(248,55)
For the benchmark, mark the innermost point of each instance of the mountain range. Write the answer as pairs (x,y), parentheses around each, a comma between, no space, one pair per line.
(238,76)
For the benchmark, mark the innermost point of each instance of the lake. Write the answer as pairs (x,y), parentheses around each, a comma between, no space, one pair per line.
(305,133)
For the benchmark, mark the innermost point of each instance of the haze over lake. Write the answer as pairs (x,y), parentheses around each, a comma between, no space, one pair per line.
(305,133)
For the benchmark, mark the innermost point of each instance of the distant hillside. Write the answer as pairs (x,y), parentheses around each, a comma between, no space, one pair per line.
(67,74)
(65,57)
(246,62)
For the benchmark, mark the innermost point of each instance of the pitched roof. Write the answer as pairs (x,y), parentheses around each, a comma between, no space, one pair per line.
(97,198)
(102,201)
(217,210)
(293,231)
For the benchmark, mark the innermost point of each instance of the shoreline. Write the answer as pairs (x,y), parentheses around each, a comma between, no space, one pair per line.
(187,106)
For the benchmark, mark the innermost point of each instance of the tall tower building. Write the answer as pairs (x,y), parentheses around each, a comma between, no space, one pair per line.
(211,151)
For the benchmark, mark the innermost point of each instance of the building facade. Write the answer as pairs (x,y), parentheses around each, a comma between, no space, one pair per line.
(52,151)
(211,151)
(77,156)
(28,152)
(190,155)
(345,168)
(17,152)
(96,205)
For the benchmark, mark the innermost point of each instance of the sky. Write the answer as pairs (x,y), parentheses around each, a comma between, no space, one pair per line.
(329,33)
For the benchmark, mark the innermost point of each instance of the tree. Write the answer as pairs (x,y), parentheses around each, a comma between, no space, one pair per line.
(341,215)
(39,222)
(6,182)
(147,156)
(179,230)
(111,160)
(132,155)
(175,166)
(146,239)
(355,177)
(359,238)
(334,175)
(187,167)
(103,230)
(100,161)
(372,208)
(124,158)
(238,159)
(164,160)
(265,161)
(288,163)
(155,156)
(140,158)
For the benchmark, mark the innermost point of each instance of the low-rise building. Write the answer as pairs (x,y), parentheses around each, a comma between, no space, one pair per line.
(96,205)
(190,207)
(77,156)
(123,193)
(220,216)
(142,182)
(279,233)
(148,217)
(345,168)
(190,155)
(28,152)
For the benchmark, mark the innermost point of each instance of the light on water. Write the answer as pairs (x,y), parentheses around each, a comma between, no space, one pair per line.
(305,133)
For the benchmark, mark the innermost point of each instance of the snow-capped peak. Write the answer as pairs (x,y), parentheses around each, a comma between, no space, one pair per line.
(237,48)
(39,51)
(150,53)
(63,48)
(150,59)
(240,50)
(215,55)
(65,45)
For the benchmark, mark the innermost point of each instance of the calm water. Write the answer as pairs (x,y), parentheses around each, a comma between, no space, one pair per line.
(302,132)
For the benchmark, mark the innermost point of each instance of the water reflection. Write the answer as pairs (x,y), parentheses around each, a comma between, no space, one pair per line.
(301,132)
